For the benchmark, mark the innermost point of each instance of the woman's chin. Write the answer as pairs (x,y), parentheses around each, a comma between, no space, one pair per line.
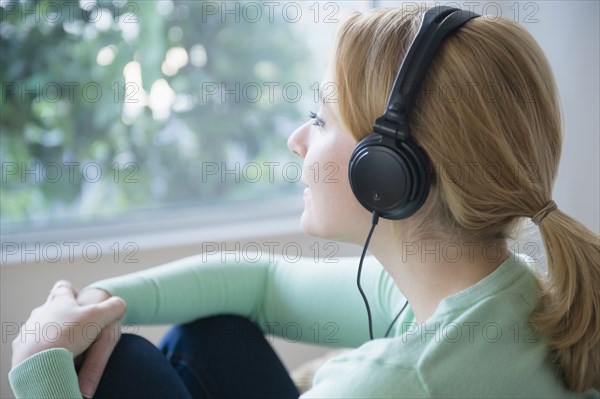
(314,228)
(308,224)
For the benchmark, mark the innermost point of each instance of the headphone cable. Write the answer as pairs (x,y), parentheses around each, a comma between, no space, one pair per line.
(362,257)
(362,293)
(394,321)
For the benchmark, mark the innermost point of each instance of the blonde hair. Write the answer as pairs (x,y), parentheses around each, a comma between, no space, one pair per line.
(489,118)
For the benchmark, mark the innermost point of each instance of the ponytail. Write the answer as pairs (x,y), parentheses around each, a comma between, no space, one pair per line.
(568,313)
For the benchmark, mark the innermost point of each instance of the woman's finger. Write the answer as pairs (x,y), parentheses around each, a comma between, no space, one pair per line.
(109,310)
(97,355)
(78,360)
(62,289)
(96,358)
(61,283)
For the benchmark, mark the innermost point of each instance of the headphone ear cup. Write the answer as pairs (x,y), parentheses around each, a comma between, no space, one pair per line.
(391,179)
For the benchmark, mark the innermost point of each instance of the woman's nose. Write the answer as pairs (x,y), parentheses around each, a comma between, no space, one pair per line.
(298,141)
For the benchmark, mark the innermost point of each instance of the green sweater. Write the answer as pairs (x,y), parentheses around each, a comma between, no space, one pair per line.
(477,343)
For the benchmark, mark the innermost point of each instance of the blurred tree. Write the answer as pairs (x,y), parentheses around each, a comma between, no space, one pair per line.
(150,95)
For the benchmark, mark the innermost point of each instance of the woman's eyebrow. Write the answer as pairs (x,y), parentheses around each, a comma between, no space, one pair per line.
(321,100)
(327,92)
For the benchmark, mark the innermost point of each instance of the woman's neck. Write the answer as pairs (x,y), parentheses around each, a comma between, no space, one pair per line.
(428,271)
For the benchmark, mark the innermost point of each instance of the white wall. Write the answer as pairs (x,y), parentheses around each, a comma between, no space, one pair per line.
(569,34)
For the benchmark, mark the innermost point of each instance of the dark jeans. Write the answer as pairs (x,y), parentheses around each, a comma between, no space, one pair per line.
(215,357)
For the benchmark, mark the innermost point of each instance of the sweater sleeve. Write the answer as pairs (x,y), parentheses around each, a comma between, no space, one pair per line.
(305,300)
(46,374)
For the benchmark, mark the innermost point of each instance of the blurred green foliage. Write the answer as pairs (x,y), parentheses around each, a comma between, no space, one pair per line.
(67,108)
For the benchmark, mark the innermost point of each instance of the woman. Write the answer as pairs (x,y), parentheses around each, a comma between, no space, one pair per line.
(473,320)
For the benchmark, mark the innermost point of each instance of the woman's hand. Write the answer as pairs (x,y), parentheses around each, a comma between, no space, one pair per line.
(91,296)
(61,322)
(93,361)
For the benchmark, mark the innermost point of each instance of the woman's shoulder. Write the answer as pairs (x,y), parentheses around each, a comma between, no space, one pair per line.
(426,363)
(475,342)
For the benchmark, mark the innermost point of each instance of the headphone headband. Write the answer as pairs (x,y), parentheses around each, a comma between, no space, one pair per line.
(438,23)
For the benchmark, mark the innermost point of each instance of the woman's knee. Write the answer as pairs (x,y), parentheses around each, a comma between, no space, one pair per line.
(133,351)
(137,368)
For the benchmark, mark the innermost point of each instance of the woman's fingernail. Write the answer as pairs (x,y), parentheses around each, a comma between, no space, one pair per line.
(84,393)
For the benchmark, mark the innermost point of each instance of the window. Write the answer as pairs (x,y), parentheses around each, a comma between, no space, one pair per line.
(117,111)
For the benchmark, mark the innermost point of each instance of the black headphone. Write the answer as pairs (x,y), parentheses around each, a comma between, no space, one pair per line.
(389,173)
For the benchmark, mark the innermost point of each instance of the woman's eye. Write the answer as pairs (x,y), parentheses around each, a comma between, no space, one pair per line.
(318,121)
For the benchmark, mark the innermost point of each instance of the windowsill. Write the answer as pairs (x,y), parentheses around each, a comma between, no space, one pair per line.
(155,230)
